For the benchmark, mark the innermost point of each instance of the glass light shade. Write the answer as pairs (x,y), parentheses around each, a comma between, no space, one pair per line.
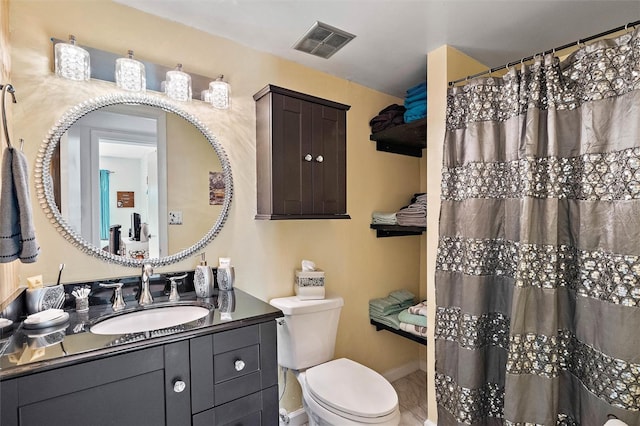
(220,91)
(72,62)
(130,74)
(178,85)
(205,96)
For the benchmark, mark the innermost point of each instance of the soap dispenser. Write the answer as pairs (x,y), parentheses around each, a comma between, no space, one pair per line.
(203,278)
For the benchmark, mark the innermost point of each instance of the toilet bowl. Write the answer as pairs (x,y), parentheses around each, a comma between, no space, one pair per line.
(338,392)
(344,393)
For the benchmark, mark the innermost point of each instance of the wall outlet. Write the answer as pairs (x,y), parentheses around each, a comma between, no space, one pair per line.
(175,217)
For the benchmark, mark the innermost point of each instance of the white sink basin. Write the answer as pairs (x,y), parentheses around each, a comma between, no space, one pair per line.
(150,319)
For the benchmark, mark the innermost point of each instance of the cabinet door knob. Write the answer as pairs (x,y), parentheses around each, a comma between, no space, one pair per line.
(239,365)
(319,158)
(308,157)
(179,386)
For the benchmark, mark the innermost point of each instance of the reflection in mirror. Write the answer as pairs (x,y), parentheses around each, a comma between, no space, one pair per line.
(104,173)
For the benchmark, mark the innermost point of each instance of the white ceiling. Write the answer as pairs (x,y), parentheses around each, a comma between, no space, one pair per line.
(393,37)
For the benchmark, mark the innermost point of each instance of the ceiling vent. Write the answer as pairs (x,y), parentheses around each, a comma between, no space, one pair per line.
(323,40)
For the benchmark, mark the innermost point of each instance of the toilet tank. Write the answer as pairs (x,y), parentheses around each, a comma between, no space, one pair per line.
(307,335)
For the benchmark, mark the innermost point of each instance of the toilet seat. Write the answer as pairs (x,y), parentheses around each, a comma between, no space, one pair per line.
(352,390)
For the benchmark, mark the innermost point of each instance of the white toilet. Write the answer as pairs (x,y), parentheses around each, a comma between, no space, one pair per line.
(337,392)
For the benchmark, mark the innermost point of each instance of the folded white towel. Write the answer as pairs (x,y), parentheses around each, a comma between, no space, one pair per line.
(419,309)
(414,329)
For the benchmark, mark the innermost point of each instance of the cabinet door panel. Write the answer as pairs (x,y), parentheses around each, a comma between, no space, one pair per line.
(329,176)
(9,402)
(137,401)
(292,127)
(201,354)
(176,368)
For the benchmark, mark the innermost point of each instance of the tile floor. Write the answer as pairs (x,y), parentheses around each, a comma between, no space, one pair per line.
(412,395)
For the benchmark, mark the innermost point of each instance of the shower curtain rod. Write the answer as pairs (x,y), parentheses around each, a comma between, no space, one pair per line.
(566,46)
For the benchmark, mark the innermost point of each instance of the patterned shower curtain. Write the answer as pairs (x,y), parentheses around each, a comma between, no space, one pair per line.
(538,264)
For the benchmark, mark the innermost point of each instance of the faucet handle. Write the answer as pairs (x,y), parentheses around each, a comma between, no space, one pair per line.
(118,301)
(147,269)
(174,296)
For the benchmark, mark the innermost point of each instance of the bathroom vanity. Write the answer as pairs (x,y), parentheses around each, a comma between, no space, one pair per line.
(213,371)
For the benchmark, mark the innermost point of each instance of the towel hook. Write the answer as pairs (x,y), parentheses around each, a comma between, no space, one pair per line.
(7,88)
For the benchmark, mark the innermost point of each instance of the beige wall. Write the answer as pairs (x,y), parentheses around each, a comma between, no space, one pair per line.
(358,265)
(443,65)
(188,189)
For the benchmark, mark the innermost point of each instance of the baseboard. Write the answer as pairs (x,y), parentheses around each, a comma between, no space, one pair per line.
(399,372)
(429,423)
(297,418)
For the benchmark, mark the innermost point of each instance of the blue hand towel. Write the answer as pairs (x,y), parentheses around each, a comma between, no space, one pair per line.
(17,233)
(415,113)
(422,87)
(420,96)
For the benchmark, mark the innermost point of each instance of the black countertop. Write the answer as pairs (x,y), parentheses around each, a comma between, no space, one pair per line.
(29,351)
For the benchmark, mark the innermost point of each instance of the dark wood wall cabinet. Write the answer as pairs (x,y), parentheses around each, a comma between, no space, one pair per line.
(301,157)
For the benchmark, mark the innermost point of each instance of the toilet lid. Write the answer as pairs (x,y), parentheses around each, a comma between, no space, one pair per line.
(351,388)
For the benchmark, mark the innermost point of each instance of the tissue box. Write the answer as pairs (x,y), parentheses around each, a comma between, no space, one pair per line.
(309,284)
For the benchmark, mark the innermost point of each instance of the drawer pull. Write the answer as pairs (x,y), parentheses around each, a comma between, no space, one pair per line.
(179,386)
(319,158)
(308,157)
(239,364)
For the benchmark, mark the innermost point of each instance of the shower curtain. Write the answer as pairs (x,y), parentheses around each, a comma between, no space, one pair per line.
(538,267)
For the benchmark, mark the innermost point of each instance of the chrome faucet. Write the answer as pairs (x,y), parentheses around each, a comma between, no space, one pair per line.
(145,294)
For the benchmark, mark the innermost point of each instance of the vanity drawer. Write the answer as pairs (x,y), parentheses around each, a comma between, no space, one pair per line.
(217,379)
(252,419)
(234,339)
(236,363)
(259,408)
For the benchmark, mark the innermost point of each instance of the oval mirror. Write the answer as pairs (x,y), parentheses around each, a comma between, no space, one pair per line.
(102,173)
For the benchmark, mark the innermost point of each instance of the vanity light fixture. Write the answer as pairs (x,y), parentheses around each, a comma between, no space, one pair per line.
(178,84)
(220,91)
(130,74)
(205,96)
(71,61)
